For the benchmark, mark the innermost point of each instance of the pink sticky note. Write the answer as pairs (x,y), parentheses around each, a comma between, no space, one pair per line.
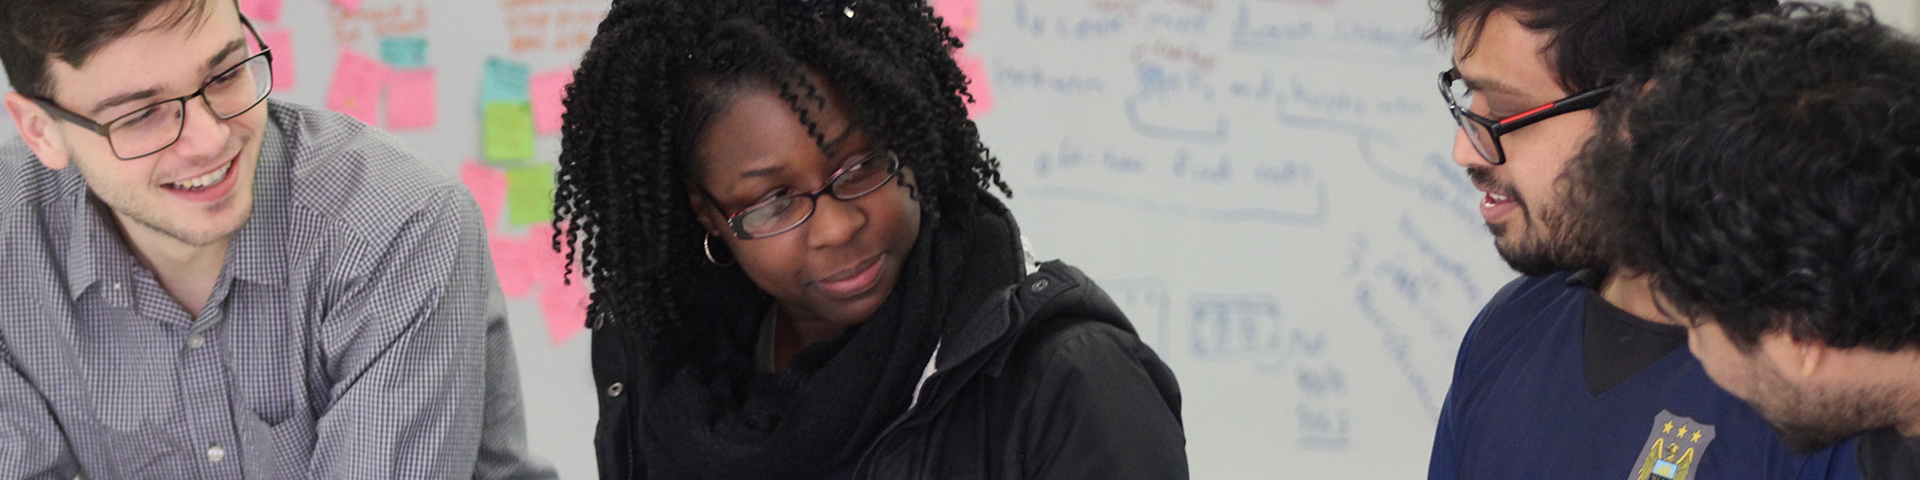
(262,10)
(547,89)
(565,307)
(411,103)
(280,40)
(356,87)
(349,6)
(963,16)
(489,188)
(976,71)
(517,272)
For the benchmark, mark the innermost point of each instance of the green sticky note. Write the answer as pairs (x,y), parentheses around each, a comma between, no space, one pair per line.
(529,194)
(404,52)
(508,128)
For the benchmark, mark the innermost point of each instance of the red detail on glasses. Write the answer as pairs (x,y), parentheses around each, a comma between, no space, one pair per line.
(1526,113)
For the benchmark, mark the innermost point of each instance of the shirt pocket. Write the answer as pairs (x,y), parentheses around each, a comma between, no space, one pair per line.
(283,450)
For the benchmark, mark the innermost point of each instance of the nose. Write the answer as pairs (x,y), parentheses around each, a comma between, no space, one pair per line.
(202,134)
(835,222)
(1464,154)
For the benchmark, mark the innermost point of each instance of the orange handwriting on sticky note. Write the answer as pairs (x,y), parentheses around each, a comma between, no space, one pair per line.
(411,99)
(548,90)
(356,87)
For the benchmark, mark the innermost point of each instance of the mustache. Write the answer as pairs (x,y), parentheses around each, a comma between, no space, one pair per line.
(1484,178)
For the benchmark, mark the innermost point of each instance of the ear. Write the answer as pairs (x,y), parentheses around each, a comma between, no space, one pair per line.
(41,132)
(706,213)
(1798,359)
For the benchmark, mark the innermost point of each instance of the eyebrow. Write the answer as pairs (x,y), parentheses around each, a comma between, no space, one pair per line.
(1490,85)
(150,92)
(762,172)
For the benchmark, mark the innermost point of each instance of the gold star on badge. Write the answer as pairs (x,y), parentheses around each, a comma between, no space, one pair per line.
(1669,428)
(1696,436)
(1683,432)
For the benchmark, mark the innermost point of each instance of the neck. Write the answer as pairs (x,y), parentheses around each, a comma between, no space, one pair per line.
(187,272)
(1632,292)
(1904,369)
(793,332)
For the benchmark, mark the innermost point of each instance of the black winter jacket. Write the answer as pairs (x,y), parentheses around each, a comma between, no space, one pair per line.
(1047,380)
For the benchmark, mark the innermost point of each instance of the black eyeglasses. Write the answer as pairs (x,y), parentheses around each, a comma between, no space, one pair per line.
(155,127)
(863,174)
(1484,133)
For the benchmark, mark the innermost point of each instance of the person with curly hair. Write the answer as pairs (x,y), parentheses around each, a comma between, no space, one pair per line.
(1570,371)
(1769,183)
(799,271)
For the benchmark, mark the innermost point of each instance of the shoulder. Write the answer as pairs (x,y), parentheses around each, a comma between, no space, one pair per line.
(28,190)
(1523,302)
(359,181)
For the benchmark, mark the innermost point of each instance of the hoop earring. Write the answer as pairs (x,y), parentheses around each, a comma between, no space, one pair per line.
(706,245)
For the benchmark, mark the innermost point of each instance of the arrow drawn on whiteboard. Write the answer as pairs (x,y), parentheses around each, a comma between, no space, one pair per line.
(1217,215)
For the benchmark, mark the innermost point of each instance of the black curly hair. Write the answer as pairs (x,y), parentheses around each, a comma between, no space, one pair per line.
(1594,42)
(659,69)
(1770,177)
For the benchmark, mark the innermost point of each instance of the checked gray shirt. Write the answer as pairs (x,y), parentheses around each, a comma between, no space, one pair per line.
(356,330)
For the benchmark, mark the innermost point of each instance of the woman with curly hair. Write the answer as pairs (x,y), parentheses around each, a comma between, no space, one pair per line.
(799,271)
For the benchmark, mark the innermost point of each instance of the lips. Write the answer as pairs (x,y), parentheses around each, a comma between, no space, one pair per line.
(853,281)
(208,186)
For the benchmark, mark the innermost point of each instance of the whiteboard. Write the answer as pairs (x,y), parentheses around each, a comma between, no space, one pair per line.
(1263,185)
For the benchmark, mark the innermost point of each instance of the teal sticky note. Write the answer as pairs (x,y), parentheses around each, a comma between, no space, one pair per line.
(508,128)
(504,80)
(404,52)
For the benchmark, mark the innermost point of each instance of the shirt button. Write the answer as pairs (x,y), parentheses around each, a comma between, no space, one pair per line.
(194,342)
(615,389)
(215,453)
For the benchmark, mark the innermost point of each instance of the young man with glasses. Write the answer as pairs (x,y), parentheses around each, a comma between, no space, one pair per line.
(201,283)
(1794,250)
(1571,372)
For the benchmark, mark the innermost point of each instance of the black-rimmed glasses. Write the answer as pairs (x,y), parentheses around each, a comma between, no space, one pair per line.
(862,175)
(155,127)
(1484,133)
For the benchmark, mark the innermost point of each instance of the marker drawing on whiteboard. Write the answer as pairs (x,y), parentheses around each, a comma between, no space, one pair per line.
(1216,215)
(1216,134)
(1448,189)
(1398,349)
(1234,327)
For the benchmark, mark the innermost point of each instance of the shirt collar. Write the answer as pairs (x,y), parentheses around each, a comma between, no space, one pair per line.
(258,249)
(94,251)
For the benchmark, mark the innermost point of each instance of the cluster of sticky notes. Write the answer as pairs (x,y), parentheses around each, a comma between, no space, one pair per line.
(506,112)
(401,73)
(412,99)
(526,263)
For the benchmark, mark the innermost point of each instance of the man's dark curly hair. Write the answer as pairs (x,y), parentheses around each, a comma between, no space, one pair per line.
(1770,177)
(656,73)
(1594,42)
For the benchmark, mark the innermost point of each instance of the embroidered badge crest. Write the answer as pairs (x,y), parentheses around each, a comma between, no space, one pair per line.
(1673,448)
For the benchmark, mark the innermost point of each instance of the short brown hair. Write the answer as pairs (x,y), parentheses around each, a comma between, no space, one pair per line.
(35,31)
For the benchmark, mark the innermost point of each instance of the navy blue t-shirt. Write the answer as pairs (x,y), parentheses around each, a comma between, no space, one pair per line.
(1529,400)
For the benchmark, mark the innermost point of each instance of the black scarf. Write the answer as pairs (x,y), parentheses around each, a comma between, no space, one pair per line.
(729,422)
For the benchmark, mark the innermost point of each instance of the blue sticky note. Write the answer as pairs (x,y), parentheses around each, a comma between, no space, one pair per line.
(404,52)
(504,81)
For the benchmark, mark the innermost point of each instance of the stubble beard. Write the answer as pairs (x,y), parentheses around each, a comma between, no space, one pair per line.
(1554,240)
